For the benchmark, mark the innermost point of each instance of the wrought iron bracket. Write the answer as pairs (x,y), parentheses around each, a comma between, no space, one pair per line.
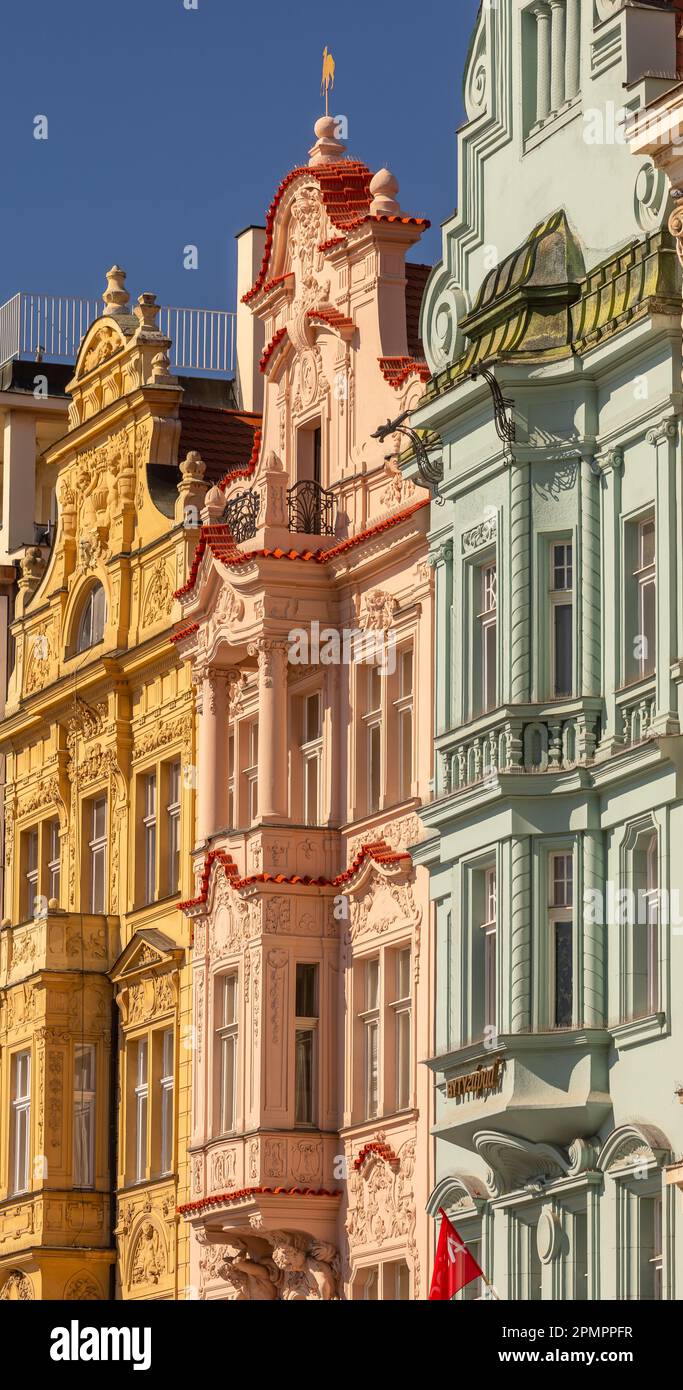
(429,469)
(504,422)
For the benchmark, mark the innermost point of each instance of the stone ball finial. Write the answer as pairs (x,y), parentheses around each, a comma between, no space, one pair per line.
(214,506)
(384,187)
(327,148)
(116,297)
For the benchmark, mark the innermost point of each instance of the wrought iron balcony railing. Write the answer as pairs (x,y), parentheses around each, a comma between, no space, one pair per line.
(241,515)
(311,508)
(50,328)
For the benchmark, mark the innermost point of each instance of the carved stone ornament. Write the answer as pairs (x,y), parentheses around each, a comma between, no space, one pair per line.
(382,1203)
(149,1260)
(159,595)
(378,613)
(16,1286)
(484,533)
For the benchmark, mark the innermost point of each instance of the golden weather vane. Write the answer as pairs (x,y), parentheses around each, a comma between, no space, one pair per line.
(328,77)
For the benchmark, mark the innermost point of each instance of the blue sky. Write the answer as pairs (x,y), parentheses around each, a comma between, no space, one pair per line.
(169,127)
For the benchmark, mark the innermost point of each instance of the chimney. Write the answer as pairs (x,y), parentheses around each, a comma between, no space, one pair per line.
(250,336)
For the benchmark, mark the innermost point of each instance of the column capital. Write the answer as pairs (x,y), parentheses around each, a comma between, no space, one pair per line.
(271,654)
(666,429)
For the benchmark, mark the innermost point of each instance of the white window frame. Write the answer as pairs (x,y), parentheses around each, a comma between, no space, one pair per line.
(404,707)
(149,830)
(97,848)
(402,1009)
(227,1036)
(560,912)
(20,1124)
(174,783)
(489,928)
(645,577)
(54,868)
(92,620)
(487,621)
(141,1094)
(32,869)
(561,596)
(372,719)
(251,771)
(370,1016)
(166,1087)
(85,1099)
(311,753)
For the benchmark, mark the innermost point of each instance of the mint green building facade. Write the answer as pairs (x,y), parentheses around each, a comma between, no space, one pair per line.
(555,835)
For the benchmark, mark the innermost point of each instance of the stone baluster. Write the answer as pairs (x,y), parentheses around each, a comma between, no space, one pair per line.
(555,744)
(541,14)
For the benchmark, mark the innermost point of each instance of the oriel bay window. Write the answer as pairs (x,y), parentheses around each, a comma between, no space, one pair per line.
(306,1045)
(561,618)
(20,1123)
(150,1071)
(561,939)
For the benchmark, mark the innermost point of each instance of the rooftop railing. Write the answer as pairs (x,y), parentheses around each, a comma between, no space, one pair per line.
(46,327)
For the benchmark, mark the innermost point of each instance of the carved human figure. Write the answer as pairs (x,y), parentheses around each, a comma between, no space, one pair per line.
(308,1269)
(248,1279)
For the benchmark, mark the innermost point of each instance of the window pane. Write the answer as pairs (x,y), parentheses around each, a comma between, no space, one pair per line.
(403,1059)
(647,543)
(312,790)
(405,735)
(406,686)
(312,727)
(374,688)
(372,984)
(303,1097)
(371,1068)
(84,1116)
(563,649)
(403,974)
(306,991)
(648,626)
(564,975)
(229,999)
(490,656)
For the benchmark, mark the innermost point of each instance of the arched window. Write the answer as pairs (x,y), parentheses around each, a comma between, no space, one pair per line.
(91,625)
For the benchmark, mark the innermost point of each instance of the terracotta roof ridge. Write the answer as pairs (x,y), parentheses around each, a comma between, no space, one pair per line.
(379,850)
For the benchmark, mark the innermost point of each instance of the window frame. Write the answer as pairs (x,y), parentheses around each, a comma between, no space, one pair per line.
(307,1025)
(20,1124)
(560,914)
(96,620)
(88,1105)
(224,1031)
(561,597)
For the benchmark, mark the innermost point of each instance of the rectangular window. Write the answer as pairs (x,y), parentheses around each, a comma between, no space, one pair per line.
(149,824)
(251,771)
(166,1097)
(396,1282)
(488,636)
(53,861)
(226,1036)
(373,734)
(311,755)
(306,1029)
(173,815)
(562,939)
(645,580)
(84,1115)
(649,1248)
(141,1105)
(370,1017)
(30,872)
(561,610)
(489,930)
(404,722)
(645,927)
(402,1010)
(20,1134)
(97,848)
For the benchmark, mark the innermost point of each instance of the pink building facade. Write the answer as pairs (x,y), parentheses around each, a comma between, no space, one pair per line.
(307,622)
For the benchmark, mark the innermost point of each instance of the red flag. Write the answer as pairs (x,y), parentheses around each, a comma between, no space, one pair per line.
(454,1266)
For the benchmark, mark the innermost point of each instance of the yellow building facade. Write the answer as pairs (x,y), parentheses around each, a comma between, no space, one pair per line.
(95,1017)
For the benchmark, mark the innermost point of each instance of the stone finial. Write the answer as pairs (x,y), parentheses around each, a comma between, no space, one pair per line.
(214,506)
(146,311)
(327,148)
(384,187)
(161,363)
(116,297)
(193,466)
